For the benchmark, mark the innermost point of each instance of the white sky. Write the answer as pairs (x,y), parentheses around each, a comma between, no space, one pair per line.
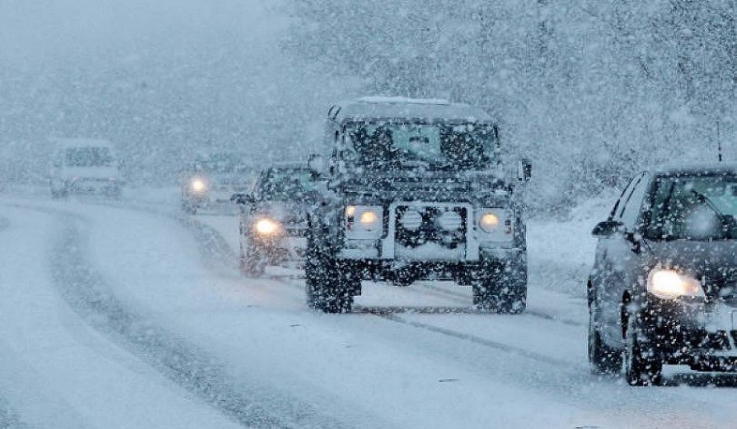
(33,31)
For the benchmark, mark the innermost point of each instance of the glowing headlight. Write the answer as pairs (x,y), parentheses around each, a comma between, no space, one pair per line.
(198,185)
(363,222)
(266,226)
(489,221)
(369,219)
(669,284)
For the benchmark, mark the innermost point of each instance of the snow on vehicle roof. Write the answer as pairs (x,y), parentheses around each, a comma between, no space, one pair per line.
(288,165)
(702,168)
(406,108)
(81,142)
(381,99)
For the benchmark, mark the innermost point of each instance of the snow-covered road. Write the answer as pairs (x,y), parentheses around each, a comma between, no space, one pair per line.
(133,315)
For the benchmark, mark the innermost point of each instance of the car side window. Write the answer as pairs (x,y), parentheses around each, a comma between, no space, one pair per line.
(258,188)
(633,206)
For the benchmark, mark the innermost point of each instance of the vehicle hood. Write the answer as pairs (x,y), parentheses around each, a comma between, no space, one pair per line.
(428,185)
(236,182)
(714,261)
(287,212)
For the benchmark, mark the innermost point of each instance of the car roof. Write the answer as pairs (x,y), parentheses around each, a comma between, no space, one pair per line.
(695,169)
(411,108)
(81,142)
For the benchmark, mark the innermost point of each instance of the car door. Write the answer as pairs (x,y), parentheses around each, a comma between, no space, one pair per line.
(618,259)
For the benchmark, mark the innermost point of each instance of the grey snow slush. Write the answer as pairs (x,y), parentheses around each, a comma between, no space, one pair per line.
(663,289)
(416,190)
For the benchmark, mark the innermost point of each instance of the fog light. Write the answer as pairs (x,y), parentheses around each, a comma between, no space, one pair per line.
(450,221)
(411,220)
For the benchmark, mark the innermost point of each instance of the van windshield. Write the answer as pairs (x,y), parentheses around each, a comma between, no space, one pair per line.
(88,157)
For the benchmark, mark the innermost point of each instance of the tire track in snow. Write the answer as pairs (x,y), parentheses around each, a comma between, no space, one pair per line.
(8,418)
(531,312)
(392,317)
(185,364)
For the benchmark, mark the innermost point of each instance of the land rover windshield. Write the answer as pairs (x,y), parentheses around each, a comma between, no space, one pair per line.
(431,145)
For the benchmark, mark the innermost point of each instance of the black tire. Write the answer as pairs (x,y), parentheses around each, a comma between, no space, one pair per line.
(604,360)
(189,207)
(252,262)
(642,365)
(328,288)
(61,193)
(116,193)
(500,292)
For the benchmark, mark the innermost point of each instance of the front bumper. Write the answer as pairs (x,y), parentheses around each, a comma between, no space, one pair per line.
(503,261)
(284,250)
(93,186)
(700,334)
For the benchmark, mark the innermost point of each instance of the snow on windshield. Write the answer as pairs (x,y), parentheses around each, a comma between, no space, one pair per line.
(88,157)
(686,205)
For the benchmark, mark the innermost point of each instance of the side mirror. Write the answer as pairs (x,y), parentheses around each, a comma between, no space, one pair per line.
(607,228)
(242,199)
(524,170)
(316,164)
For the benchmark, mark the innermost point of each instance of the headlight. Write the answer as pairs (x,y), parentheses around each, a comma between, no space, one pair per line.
(496,223)
(266,226)
(198,184)
(364,222)
(489,221)
(669,284)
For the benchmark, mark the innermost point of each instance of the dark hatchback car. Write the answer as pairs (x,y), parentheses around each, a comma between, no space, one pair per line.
(664,284)
(273,222)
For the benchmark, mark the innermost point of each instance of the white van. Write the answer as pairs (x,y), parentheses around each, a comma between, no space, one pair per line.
(84,166)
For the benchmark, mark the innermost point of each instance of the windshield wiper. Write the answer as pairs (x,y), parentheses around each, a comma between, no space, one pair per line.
(728,221)
(709,203)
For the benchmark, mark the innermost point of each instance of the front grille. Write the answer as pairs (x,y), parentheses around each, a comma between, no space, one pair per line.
(727,293)
(416,226)
(296,232)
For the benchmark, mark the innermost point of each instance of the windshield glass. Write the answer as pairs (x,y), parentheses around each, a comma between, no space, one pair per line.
(693,207)
(287,184)
(222,163)
(434,145)
(88,157)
